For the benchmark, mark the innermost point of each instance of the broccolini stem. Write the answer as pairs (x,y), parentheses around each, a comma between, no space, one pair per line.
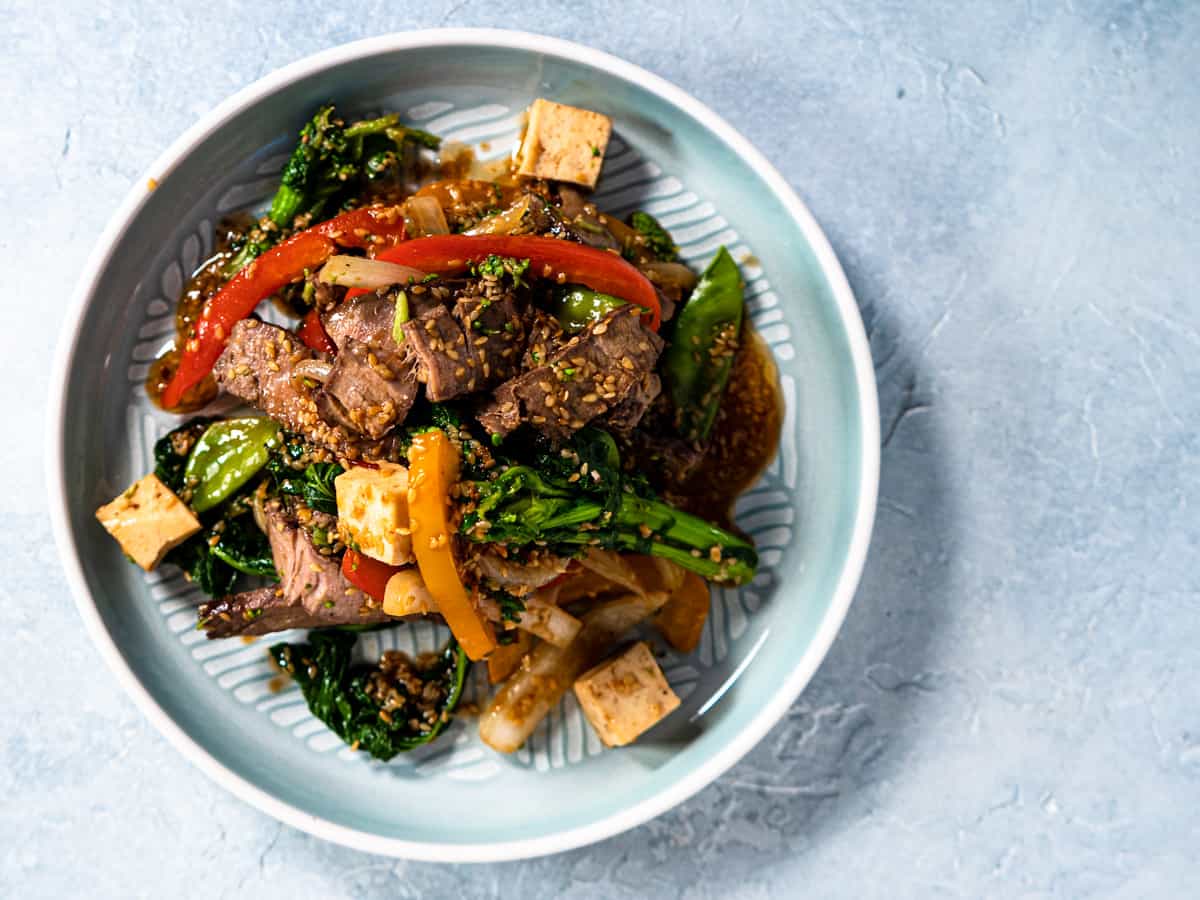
(371,126)
(675,525)
(729,571)
(241,259)
(285,206)
(683,536)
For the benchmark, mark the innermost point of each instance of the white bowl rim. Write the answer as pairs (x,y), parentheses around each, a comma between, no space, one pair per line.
(648,807)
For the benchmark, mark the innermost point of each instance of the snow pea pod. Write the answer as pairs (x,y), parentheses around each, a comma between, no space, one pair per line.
(228,455)
(699,358)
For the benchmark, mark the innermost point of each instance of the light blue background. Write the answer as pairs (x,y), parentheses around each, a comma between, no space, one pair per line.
(1011,708)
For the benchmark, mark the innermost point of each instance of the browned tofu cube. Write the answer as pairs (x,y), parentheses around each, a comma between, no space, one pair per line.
(626,695)
(563,143)
(148,520)
(372,508)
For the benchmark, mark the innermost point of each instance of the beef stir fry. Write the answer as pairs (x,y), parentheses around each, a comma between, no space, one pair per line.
(500,407)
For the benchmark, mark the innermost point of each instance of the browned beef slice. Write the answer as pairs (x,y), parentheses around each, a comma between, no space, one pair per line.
(312,592)
(369,317)
(495,331)
(578,220)
(366,318)
(367,392)
(444,361)
(372,384)
(546,336)
(256,367)
(593,373)
(501,414)
(625,416)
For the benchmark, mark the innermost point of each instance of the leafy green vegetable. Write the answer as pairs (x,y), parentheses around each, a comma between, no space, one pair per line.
(658,239)
(347,698)
(226,453)
(499,266)
(226,456)
(241,545)
(250,245)
(203,567)
(172,449)
(697,362)
(576,307)
(511,606)
(570,500)
(311,482)
(332,161)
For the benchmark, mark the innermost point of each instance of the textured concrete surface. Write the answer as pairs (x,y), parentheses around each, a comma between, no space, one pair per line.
(1011,708)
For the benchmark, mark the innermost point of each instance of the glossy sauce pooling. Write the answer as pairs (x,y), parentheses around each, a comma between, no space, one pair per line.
(205,282)
(745,436)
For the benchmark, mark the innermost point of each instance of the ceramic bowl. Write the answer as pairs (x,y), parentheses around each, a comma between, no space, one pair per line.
(811,513)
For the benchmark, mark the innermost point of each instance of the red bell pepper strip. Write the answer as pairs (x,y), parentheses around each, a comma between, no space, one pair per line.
(268,273)
(368,575)
(313,335)
(558,260)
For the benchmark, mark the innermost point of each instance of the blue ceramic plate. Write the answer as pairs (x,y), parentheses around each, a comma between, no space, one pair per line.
(811,513)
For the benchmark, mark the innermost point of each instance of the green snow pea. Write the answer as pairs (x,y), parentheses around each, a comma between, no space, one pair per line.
(698,360)
(228,455)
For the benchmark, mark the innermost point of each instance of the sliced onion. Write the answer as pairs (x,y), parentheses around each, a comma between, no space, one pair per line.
(423,216)
(313,369)
(670,275)
(549,671)
(504,222)
(614,567)
(260,514)
(548,622)
(626,236)
(370,274)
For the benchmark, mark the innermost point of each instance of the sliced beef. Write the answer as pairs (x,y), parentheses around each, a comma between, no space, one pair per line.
(608,363)
(367,393)
(444,361)
(496,332)
(366,318)
(369,317)
(502,413)
(312,592)
(546,336)
(625,416)
(580,221)
(256,367)
(373,382)
(472,345)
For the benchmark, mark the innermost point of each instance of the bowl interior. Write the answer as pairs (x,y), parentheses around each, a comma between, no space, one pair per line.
(803,514)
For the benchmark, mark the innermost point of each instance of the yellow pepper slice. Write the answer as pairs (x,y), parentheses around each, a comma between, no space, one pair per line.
(432,471)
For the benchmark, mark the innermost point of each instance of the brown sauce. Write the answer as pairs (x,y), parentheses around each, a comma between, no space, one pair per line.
(745,435)
(204,282)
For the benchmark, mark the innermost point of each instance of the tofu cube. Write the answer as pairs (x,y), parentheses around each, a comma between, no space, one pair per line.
(563,143)
(626,695)
(148,520)
(372,508)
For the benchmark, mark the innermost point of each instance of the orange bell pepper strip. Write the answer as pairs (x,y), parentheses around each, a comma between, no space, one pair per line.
(506,658)
(681,620)
(368,575)
(432,472)
(262,277)
(551,258)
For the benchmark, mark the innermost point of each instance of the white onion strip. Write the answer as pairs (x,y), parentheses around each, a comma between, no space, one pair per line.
(370,274)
